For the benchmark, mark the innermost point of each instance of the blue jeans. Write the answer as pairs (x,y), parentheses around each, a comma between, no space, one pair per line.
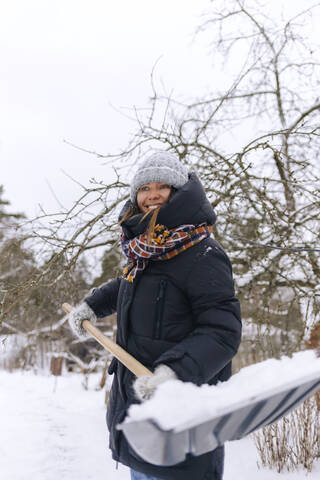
(140,476)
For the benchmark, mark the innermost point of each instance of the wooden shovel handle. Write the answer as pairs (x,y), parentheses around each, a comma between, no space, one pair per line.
(124,357)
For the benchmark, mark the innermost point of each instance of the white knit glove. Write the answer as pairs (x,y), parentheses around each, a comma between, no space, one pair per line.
(80,313)
(145,386)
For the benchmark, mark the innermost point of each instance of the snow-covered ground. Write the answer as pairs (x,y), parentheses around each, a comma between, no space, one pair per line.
(53,429)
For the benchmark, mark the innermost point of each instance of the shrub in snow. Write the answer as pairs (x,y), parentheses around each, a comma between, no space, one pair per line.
(293,442)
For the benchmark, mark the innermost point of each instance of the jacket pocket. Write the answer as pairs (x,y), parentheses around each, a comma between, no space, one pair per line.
(159,308)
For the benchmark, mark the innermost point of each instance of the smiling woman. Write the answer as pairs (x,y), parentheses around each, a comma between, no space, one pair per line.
(153,195)
(157,179)
(175,302)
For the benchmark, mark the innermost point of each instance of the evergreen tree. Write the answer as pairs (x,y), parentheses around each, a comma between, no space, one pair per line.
(6,218)
(112,264)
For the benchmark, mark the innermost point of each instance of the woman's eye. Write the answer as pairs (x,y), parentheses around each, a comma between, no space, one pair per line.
(144,189)
(165,186)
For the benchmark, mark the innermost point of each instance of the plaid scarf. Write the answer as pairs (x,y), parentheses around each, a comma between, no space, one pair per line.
(165,244)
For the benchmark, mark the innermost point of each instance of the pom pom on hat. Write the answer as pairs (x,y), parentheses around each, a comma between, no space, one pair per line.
(159,167)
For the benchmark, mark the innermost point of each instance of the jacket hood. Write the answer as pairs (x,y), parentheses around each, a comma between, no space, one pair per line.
(188,205)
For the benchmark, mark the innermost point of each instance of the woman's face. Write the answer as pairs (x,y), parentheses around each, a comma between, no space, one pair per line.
(153,195)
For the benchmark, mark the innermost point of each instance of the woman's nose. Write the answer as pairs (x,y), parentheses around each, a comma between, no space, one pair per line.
(154,194)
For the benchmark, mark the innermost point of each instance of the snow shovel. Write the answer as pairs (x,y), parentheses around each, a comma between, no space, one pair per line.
(166,445)
(124,357)
(203,433)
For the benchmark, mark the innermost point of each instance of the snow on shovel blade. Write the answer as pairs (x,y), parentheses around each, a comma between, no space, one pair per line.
(169,446)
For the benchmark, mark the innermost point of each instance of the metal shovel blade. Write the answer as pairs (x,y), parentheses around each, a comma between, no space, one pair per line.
(169,447)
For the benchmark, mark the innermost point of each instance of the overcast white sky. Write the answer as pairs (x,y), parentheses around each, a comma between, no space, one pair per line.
(63,63)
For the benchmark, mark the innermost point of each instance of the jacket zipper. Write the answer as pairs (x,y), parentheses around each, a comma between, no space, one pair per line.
(160,305)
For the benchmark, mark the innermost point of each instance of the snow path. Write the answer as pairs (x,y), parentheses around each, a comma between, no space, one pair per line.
(53,435)
(61,434)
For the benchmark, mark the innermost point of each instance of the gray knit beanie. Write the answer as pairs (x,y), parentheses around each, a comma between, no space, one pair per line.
(159,167)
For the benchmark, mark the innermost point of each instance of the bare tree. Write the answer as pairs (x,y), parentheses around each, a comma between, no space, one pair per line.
(255,144)
(254,140)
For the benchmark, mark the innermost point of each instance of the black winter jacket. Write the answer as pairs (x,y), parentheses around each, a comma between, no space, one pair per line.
(181,312)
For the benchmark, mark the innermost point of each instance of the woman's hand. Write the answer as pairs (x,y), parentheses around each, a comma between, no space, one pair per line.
(77,316)
(145,386)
